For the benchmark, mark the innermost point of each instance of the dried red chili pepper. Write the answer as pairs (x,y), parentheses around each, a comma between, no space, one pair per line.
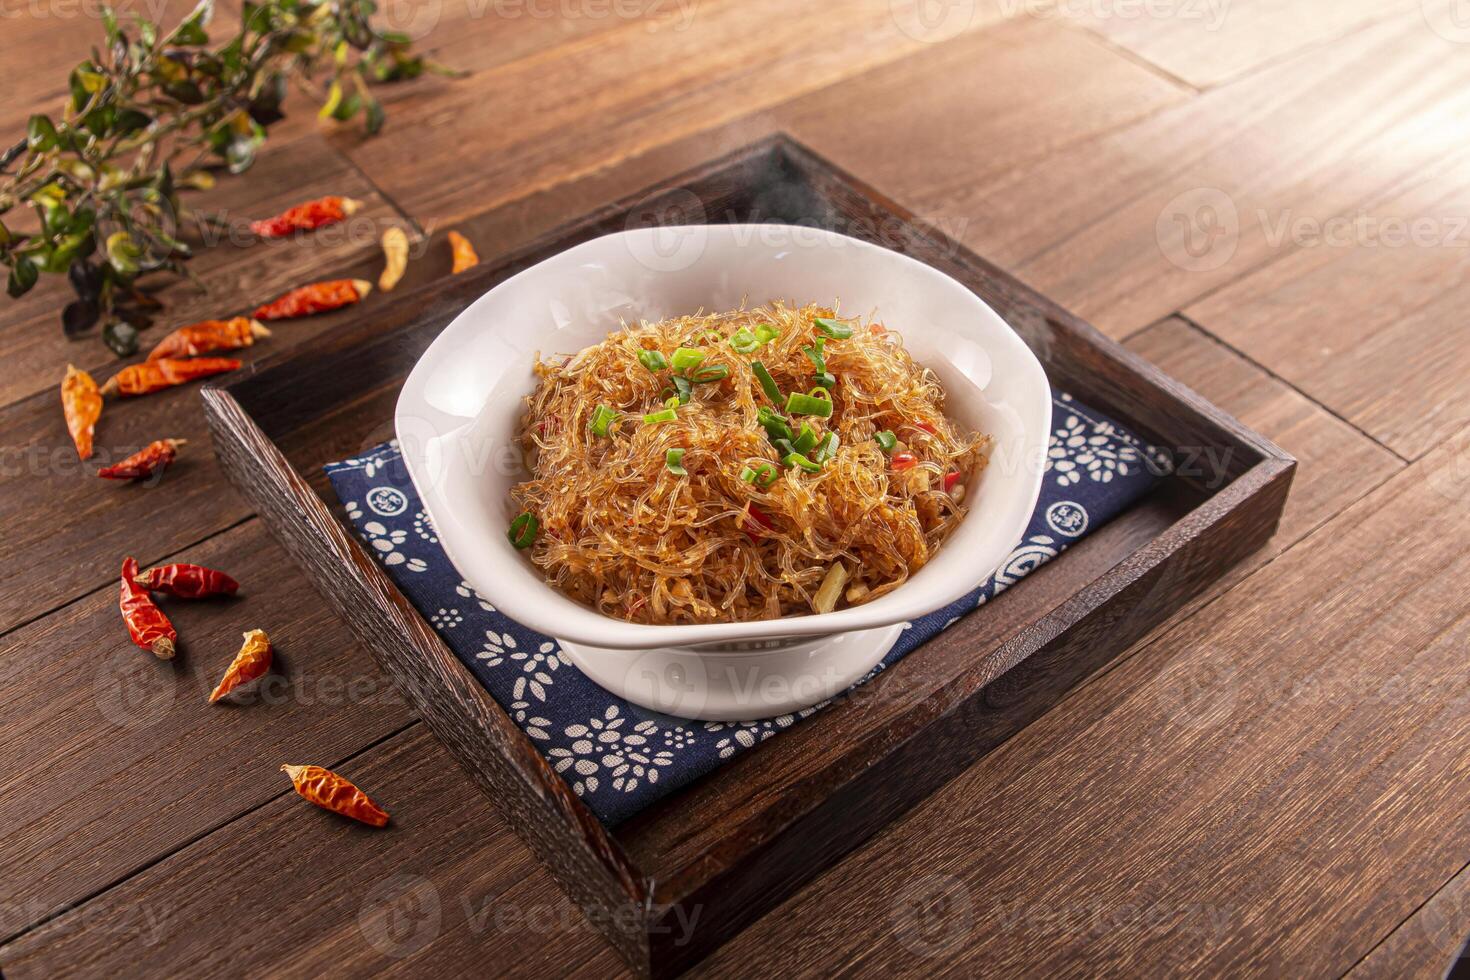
(950,479)
(319,297)
(465,256)
(305,217)
(758,523)
(151,376)
(187,581)
(331,792)
(148,627)
(253,660)
(209,335)
(81,403)
(904,461)
(152,458)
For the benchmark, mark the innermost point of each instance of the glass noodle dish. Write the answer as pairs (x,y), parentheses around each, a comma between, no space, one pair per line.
(747,465)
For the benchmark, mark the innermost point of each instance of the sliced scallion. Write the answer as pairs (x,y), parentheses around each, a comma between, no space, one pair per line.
(886,441)
(765,333)
(654,418)
(827,448)
(817,354)
(686,358)
(804,442)
(799,404)
(674,460)
(797,459)
(833,329)
(652,360)
(744,341)
(762,476)
(523,530)
(826,379)
(682,389)
(602,420)
(768,383)
(715,372)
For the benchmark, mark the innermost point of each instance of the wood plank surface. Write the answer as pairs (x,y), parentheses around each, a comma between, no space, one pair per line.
(1129,227)
(1427,943)
(1206,42)
(610,95)
(117,759)
(1391,282)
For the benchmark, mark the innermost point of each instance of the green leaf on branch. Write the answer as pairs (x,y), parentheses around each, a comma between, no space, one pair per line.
(40,134)
(121,337)
(123,253)
(23,275)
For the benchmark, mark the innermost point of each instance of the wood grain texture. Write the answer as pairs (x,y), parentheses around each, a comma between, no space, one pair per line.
(444,889)
(117,759)
(1307,761)
(1365,316)
(1003,98)
(1427,943)
(541,120)
(1118,228)
(1336,465)
(1206,42)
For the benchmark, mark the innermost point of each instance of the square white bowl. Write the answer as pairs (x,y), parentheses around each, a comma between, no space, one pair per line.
(459,410)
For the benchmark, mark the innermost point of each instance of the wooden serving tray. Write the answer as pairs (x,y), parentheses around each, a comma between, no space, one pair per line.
(727,849)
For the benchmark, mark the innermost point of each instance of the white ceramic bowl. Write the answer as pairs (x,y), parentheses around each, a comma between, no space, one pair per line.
(457,415)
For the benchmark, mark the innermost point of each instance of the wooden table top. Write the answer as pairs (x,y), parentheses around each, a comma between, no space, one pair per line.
(1270,200)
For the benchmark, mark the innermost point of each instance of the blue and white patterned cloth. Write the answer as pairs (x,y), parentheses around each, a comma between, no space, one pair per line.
(618,756)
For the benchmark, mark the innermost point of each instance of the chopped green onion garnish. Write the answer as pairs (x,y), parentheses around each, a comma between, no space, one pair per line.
(806,440)
(797,459)
(709,334)
(827,448)
(799,404)
(602,419)
(886,441)
(653,418)
(838,331)
(674,460)
(652,360)
(715,372)
(744,341)
(784,447)
(682,389)
(775,424)
(762,476)
(765,333)
(817,355)
(826,379)
(673,401)
(686,358)
(768,383)
(523,530)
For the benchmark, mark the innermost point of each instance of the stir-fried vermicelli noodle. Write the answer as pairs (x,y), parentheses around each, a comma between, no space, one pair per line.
(738,466)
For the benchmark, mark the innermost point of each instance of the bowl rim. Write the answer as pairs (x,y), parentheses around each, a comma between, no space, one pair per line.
(590,627)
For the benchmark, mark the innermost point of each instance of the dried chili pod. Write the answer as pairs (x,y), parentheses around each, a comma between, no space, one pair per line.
(253,660)
(305,217)
(81,403)
(319,297)
(395,258)
(151,376)
(148,627)
(186,581)
(209,335)
(331,792)
(465,256)
(152,458)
